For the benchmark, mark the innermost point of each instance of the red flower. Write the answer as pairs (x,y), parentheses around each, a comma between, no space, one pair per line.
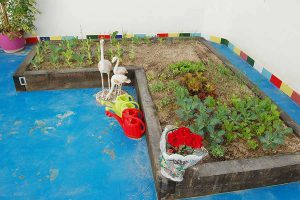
(197,141)
(183,136)
(189,140)
(183,131)
(175,140)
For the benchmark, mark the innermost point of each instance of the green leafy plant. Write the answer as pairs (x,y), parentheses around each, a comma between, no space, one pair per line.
(111,53)
(207,124)
(131,53)
(197,84)
(160,40)
(164,102)
(224,70)
(45,46)
(72,43)
(150,75)
(119,51)
(157,86)
(252,119)
(217,150)
(54,59)
(54,54)
(79,58)
(207,120)
(172,85)
(147,41)
(183,67)
(136,40)
(87,48)
(252,144)
(113,38)
(187,104)
(18,16)
(98,52)
(68,54)
(39,57)
(271,140)
(124,39)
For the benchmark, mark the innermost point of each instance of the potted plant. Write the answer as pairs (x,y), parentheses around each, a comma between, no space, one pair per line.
(17,18)
(180,149)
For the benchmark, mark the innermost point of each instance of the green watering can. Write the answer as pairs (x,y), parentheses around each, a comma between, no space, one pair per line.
(122,102)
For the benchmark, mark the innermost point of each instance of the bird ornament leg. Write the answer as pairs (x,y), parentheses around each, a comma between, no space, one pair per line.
(102,85)
(108,80)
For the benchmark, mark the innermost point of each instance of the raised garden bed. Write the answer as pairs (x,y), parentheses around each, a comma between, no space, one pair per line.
(234,171)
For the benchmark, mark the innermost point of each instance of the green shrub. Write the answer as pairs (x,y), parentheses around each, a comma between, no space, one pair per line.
(183,67)
(157,86)
(254,120)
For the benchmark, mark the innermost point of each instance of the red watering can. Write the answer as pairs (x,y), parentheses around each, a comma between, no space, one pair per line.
(133,112)
(131,122)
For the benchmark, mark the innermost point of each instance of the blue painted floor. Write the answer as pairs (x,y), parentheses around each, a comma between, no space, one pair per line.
(60,145)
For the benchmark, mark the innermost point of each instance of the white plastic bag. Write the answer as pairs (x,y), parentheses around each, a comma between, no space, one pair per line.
(173,166)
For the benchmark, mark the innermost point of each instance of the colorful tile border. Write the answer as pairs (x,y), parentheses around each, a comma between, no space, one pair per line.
(276,81)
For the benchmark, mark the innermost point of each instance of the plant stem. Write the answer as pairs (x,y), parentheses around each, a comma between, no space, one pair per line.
(5,17)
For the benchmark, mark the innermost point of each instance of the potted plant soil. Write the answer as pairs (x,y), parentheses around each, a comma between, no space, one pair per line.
(180,149)
(17,18)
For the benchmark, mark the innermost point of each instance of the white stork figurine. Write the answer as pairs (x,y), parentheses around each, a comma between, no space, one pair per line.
(104,66)
(117,80)
(117,69)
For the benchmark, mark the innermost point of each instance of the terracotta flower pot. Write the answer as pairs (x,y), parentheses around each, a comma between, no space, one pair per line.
(11,45)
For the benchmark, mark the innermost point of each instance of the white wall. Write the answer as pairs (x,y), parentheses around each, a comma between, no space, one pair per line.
(267,30)
(64,17)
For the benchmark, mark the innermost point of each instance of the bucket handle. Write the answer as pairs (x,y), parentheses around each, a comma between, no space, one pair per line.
(141,122)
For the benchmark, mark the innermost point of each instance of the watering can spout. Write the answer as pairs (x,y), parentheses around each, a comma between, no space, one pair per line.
(119,119)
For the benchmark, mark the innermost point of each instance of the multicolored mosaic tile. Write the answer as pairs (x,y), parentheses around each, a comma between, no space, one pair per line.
(93,37)
(32,40)
(44,38)
(129,35)
(140,35)
(195,34)
(68,37)
(184,34)
(215,39)
(55,38)
(173,35)
(162,35)
(225,42)
(268,75)
(296,97)
(107,37)
(286,89)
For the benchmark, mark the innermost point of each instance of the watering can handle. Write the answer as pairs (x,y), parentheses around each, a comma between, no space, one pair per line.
(135,103)
(130,97)
(132,102)
(141,122)
(142,114)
